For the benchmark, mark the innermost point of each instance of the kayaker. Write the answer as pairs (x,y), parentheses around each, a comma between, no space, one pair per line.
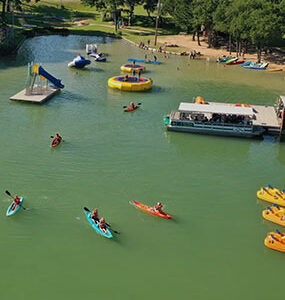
(158,207)
(102,225)
(94,215)
(57,138)
(17,201)
(132,105)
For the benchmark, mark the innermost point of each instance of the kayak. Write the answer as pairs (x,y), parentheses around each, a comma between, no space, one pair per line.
(271,194)
(275,214)
(275,70)
(131,109)
(273,241)
(224,59)
(235,62)
(147,61)
(55,142)
(96,226)
(11,212)
(151,210)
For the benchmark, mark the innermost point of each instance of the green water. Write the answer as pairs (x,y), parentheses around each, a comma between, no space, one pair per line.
(213,249)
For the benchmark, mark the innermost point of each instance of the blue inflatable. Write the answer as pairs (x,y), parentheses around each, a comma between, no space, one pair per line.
(79,62)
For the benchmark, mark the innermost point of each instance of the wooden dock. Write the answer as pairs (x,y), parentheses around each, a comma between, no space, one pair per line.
(35,98)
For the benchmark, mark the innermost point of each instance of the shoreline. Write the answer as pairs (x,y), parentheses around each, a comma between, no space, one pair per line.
(184,42)
(206,53)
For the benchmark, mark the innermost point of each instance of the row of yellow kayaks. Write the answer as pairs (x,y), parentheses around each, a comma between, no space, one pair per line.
(276,214)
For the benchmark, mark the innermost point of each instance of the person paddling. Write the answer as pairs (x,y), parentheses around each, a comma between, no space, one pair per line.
(158,207)
(94,215)
(103,225)
(16,202)
(56,140)
(132,105)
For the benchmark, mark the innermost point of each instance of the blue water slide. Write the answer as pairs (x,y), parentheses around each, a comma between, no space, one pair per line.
(56,82)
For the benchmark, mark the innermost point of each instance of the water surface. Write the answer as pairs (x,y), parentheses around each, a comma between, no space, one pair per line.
(213,249)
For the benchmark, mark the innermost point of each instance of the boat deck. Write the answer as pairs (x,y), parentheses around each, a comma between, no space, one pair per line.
(264,116)
(36,98)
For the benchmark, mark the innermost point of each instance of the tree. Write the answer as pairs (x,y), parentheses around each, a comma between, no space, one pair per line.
(111,6)
(203,13)
(150,6)
(181,11)
(264,19)
(131,4)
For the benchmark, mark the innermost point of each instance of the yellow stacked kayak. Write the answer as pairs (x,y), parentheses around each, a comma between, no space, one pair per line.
(275,214)
(275,241)
(272,195)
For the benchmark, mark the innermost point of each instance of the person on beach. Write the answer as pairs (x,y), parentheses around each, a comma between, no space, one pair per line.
(134,62)
(134,72)
(139,75)
(148,43)
(155,58)
(103,225)
(158,207)
(95,215)
(126,77)
(16,202)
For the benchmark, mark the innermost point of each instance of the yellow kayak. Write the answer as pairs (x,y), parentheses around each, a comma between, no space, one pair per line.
(275,70)
(271,194)
(275,214)
(275,241)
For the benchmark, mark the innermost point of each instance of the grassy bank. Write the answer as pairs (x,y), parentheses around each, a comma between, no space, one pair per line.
(71,17)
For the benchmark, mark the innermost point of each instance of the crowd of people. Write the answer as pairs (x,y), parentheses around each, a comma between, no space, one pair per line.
(217,118)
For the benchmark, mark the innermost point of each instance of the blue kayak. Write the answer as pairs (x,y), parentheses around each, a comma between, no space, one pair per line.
(11,212)
(147,61)
(96,226)
(255,66)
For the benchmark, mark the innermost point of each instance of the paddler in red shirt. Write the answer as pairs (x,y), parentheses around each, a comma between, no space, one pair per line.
(17,201)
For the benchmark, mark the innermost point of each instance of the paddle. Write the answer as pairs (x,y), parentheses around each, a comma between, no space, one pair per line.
(8,193)
(86,209)
(136,104)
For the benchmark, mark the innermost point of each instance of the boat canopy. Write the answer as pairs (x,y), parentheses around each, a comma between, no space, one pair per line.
(215,109)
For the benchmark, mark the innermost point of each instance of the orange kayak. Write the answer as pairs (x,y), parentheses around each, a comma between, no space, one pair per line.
(275,214)
(151,210)
(272,195)
(274,241)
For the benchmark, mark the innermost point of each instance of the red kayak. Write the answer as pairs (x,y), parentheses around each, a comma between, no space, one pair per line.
(235,62)
(151,210)
(131,108)
(55,142)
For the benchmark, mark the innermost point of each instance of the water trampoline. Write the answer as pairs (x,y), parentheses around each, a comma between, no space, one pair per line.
(131,67)
(131,84)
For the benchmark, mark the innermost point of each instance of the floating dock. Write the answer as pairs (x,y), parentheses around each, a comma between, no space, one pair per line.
(34,97)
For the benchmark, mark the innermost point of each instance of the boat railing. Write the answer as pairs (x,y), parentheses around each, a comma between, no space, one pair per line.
(209,123)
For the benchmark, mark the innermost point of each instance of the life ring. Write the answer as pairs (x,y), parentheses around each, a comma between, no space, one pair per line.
(131,67)
(133,84)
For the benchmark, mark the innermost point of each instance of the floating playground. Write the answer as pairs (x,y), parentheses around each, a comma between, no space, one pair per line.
(40,85)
